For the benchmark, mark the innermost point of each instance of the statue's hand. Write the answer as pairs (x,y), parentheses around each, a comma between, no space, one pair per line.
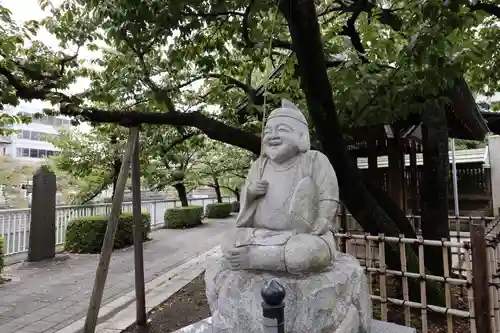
(238,258)
(258,188)
(321,227)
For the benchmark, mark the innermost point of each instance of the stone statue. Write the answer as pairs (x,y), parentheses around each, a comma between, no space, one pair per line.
(283,231)
(288,204)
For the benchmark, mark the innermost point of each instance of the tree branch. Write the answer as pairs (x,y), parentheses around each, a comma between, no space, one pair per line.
(245,30)
(192,12)
(213,128)
(489,8)
(22,90)
(349,29)
(234,82)
(180,140)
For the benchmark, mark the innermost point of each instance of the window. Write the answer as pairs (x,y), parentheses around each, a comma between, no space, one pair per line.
(35,136)
(35,153)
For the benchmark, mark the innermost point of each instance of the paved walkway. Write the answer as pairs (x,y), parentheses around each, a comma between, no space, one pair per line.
(46,297)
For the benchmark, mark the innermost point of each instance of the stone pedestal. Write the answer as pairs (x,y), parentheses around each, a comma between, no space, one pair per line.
(42,236)
(316,303)
(205,326)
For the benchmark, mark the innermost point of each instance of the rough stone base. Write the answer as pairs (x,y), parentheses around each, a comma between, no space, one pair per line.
(314,303)
(205,326)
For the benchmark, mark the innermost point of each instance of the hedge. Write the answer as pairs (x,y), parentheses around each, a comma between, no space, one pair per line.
(235,206)
(1,255)
(86,234)
(183,217)
(219,210)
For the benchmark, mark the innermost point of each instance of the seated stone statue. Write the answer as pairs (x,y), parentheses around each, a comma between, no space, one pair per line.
(288,203)
(283,231)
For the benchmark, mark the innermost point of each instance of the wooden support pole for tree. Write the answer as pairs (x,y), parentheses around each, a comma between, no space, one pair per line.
(480,279)
(140,293)
(109,238)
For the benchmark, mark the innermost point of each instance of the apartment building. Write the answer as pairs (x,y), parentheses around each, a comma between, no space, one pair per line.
(30,143)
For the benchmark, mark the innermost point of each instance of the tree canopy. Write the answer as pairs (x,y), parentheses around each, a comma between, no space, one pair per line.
(385,59)
(189,64)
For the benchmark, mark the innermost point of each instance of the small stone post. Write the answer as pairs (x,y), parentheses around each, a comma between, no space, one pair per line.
(42,234)
(273,307)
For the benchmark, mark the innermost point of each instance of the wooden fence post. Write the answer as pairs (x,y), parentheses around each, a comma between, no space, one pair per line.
(109,237)
(480,280)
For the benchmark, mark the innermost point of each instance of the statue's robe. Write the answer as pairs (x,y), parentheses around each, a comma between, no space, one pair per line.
(297,197)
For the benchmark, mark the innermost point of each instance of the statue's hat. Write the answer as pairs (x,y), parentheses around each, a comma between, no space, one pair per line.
(288,110)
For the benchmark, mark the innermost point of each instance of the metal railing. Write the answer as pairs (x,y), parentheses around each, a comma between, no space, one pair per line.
(15,223)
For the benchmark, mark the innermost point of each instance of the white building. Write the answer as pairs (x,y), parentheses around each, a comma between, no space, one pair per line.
(30,143)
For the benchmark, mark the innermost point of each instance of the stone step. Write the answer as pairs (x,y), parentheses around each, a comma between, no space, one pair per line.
(205,326)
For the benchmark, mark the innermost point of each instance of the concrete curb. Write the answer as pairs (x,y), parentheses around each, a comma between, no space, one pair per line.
(116,316)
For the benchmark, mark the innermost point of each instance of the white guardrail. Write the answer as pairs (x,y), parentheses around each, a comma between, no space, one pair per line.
(15,223)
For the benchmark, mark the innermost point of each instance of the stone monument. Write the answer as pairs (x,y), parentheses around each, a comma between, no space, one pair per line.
(283,232)
(42,234)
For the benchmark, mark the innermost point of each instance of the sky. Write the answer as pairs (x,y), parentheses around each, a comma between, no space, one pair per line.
(25,10)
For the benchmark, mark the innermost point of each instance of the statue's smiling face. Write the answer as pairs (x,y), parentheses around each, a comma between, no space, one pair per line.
(280,139)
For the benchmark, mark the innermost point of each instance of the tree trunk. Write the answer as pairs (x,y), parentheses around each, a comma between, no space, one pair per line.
(237,194)
(181,192)
(434,194)
(217,190)
(307,44)
(309,50)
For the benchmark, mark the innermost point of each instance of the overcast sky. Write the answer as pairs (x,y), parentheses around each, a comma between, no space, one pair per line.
(24,10)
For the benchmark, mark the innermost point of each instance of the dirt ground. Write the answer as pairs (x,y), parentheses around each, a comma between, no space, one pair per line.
(185,307)
(189,305)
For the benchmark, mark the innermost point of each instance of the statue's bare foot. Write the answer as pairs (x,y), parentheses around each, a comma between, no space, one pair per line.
(239,258)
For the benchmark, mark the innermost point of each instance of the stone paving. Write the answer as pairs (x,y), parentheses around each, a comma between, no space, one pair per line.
(48,296)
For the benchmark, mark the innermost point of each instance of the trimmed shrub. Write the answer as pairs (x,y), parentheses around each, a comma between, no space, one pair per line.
(1,255)
(219,210)
(235,206)
(86,234)
(183,217)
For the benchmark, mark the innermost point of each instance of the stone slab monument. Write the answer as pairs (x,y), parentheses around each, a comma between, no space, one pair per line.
(42,234)
(284,233)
